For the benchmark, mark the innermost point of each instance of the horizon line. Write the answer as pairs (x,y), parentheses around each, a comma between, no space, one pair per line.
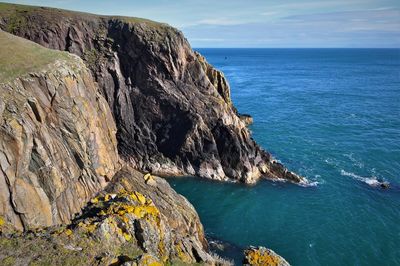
(295,47)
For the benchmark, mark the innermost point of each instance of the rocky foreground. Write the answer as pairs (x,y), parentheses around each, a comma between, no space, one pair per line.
(81,129)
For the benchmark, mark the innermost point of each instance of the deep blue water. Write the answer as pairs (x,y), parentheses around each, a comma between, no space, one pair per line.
(332,115)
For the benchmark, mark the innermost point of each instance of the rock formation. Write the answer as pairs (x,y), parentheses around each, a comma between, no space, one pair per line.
(125,93)
(261,256)
(57,136)
(172,109)
(59,166)
(119,226)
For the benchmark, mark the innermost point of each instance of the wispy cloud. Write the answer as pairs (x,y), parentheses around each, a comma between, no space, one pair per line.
(288,23)
(218,21)
(362,28)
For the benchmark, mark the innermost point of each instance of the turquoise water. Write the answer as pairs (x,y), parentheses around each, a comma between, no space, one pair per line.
(333,116)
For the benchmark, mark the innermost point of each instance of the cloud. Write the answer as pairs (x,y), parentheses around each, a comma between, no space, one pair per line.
(362,28)
(217,21)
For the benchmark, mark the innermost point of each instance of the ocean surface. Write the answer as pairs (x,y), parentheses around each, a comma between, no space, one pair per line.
(333,116)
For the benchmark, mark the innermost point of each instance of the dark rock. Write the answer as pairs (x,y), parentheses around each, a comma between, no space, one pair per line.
(172,109)
(385,185)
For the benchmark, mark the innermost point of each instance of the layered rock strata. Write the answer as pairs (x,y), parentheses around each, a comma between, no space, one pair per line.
(59,165)
(57,136)
(172,109)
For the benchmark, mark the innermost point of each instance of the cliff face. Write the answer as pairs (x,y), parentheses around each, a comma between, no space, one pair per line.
(59,165)
(57,137)
(172,109)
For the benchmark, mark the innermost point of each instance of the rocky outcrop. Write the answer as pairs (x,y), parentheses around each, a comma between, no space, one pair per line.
(59,165)
(176,214)
(137,220)
(150,215)
(172,109)
(261,256)
(57,136)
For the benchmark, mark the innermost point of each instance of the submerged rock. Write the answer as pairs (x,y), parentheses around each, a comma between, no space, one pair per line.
(172,109)
(261,256)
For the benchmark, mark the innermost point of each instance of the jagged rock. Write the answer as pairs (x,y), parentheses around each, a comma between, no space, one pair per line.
(261,256)
(122,226)
(172,109)
(247,119)
(57,135)
(186,240)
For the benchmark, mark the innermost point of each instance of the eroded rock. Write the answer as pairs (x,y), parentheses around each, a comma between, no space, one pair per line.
(172,109)
(57,140)
(261,256)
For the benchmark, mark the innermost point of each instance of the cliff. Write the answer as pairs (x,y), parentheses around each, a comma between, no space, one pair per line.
(172,109)
(62,181)
(57,136)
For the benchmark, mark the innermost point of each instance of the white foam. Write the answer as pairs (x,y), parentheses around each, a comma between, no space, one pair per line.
(372,181)
(307,183)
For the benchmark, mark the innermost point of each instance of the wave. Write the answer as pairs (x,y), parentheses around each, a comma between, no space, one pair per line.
(372,181)
(308,183)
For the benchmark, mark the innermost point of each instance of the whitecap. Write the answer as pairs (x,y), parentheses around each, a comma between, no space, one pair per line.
(371,181)
(308,183)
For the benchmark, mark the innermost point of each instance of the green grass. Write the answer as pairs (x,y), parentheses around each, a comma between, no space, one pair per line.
(19,57)
(15,11)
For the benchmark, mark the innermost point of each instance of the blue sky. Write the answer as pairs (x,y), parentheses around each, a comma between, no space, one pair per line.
(261,23)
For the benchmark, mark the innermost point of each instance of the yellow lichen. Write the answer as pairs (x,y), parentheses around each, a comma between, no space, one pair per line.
(145,207)
(127,236)
(68,232)
(149,179)
(107,197)
(1,221)
(88,227)
(147,176)
(148,260)
(138,197)
(182,255)
(119,210)
(256,257)
(95,200)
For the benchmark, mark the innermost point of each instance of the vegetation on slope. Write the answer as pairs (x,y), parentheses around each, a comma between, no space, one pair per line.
(23,56)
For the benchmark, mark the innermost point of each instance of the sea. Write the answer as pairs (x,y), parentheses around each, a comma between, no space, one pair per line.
(333,116)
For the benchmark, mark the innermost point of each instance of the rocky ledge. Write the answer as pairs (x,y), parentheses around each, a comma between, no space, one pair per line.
(172,109)
(137,220)
(261,256)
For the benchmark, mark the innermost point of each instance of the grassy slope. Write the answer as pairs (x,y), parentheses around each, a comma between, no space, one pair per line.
(9,10)
(19,57)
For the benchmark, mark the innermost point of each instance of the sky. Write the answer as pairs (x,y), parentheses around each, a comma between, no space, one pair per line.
(261,23)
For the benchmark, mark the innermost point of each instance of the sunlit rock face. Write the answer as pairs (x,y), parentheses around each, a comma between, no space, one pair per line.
(172,109)
(57,139)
